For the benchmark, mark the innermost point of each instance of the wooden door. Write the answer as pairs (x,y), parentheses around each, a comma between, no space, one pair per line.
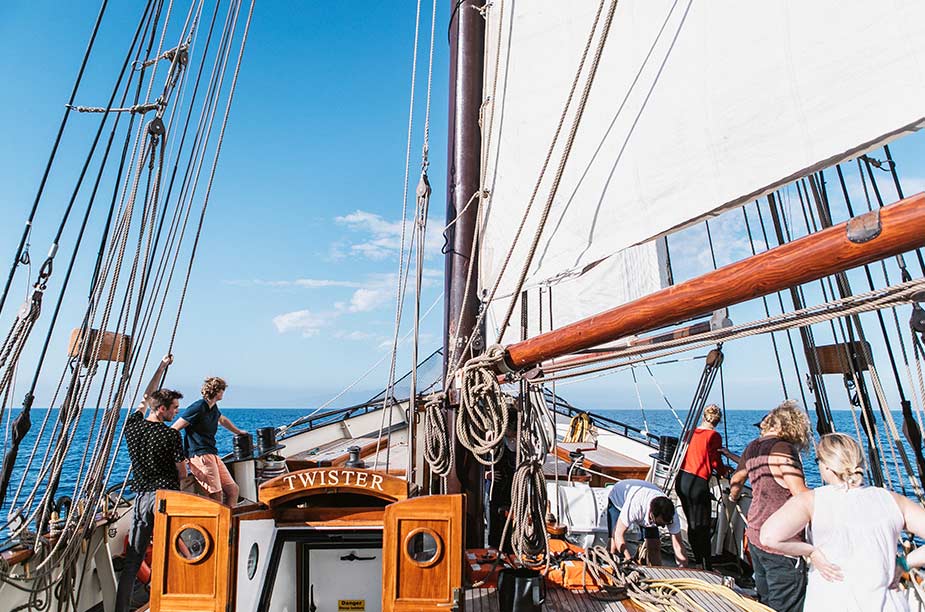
(190,570)
(422,553)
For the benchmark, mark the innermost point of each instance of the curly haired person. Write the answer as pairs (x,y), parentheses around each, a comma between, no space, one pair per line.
(199,423)
(772,464)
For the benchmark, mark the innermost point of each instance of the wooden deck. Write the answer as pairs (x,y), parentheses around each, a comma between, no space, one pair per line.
(486,599)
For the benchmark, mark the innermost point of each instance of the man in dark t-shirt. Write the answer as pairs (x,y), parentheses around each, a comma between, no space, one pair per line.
(158,462)
(200,423)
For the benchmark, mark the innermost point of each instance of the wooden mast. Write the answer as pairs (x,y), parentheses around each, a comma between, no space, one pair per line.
(889,231)
(467,43)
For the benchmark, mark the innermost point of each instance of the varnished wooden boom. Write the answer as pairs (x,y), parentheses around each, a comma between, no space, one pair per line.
(801,261)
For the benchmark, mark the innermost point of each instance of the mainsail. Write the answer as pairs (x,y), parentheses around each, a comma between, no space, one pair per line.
(695,108)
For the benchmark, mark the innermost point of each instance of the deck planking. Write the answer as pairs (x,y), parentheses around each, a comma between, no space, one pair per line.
(485,599)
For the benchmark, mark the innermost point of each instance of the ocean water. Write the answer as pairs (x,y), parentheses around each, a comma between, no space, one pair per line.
(737,430)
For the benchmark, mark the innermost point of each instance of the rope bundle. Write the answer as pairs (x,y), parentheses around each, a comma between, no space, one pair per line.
(437,450)
(15,342)
(484,411)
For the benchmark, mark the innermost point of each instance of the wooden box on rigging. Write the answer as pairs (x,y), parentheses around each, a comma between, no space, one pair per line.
(837,358)
(113,347)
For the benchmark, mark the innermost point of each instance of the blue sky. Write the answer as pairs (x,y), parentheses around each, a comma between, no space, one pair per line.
(292,297)
(293,292)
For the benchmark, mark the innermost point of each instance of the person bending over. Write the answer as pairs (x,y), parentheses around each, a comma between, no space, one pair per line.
(199,423)
(855,529)
(158,462)
(637,503)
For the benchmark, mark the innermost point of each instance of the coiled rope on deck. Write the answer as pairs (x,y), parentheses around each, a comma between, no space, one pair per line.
(618,577)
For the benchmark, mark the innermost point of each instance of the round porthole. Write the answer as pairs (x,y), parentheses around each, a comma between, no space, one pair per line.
(423,547)
(252,557)
(191,543)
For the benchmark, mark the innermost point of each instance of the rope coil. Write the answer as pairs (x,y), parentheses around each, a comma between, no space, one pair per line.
(484,411)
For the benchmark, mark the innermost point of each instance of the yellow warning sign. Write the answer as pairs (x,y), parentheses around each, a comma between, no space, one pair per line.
(351,604)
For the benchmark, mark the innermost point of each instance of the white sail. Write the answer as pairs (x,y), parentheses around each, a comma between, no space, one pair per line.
(622,277)
(696,107)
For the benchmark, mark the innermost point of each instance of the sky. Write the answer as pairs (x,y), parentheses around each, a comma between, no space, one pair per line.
(293,294)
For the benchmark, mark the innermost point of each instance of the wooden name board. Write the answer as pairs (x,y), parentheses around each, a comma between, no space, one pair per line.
(317,481)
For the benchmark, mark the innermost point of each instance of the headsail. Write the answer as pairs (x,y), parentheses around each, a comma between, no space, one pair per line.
(695,108)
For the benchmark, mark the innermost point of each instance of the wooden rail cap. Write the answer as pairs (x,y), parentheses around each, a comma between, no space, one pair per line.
(319,481)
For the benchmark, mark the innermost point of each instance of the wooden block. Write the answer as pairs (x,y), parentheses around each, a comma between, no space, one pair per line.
(835,359)
(114,347)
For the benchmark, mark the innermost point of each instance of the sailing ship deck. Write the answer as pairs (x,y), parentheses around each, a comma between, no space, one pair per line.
(485,599)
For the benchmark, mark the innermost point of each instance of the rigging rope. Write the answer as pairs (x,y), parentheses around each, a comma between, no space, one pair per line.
(20,253)
(864,302)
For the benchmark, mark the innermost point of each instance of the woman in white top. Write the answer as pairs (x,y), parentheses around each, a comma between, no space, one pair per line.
(855,534)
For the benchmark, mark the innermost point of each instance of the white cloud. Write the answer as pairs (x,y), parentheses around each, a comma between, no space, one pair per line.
(364,300)
(354,335)
(307,283)
(383,238)
(305,322)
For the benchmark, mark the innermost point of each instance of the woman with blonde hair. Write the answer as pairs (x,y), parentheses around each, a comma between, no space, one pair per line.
(772,464)
(693,483)
(855,532)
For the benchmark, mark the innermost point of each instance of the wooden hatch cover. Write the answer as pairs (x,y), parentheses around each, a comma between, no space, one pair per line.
(422,553)
(320,481)
(191,560)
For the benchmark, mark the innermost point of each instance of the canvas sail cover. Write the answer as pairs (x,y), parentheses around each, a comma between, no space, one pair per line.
(696,107)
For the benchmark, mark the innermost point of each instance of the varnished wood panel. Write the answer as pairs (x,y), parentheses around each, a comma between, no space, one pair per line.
(180,585)
(330,516)
(801,261)
(407,585)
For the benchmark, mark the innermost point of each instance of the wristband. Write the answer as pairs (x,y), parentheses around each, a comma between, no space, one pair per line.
(902,562)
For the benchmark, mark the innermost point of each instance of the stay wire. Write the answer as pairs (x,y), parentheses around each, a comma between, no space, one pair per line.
(54,150)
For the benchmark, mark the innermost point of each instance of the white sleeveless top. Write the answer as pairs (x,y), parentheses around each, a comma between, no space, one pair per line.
(857,529)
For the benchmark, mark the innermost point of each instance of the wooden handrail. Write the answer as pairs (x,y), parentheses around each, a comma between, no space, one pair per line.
(901,229)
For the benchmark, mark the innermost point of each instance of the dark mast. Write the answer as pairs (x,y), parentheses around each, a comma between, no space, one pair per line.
(467,43)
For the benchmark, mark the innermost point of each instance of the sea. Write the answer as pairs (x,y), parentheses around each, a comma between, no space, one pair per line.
(738,429)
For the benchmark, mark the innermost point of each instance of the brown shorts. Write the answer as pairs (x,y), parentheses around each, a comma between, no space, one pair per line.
(210,472)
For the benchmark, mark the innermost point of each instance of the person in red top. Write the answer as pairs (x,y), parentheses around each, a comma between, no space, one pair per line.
(693,483)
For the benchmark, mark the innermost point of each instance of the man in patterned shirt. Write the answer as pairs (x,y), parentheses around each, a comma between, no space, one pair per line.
(158,462)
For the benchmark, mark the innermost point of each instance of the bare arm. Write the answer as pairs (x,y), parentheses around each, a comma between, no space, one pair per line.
(618,540)
(737,481)
(914,518)
(155,381)
(781,533)
(182,470)
(180,424)
(781,529)
(680,554)
(227,424)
